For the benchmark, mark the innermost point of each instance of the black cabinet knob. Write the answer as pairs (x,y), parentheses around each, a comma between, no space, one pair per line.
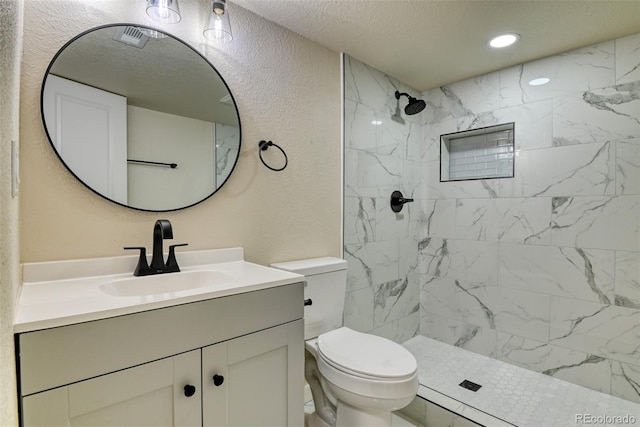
(218,380)
(189,390)
(308,302)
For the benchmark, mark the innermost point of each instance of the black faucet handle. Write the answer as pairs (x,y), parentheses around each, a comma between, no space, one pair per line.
(142,268)
(172,263)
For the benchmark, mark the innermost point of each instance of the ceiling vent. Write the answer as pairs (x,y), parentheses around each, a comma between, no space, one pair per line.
(131,36)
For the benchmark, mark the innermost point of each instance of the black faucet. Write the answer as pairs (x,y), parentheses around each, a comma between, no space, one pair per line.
(161,230)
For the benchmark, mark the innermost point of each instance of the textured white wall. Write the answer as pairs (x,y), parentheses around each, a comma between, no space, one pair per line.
(287,89)
(11,22)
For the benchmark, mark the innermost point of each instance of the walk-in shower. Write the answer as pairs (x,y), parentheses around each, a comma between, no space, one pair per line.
(502,268)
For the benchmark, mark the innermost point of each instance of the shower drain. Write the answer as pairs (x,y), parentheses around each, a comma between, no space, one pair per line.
(469,385)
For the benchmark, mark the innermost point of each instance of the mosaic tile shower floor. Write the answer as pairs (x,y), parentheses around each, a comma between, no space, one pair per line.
(516,395)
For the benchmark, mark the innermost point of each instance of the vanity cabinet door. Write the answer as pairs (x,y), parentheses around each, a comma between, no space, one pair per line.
(153,394)
(255,380)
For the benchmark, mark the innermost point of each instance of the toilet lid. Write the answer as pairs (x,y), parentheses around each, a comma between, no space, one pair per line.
(366,354)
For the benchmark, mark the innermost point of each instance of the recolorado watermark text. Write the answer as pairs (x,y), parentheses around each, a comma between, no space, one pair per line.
(586,419)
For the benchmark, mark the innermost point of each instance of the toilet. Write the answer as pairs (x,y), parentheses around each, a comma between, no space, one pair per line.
(356,379)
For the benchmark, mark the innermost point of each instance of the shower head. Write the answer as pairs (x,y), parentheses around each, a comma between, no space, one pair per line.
(414,106)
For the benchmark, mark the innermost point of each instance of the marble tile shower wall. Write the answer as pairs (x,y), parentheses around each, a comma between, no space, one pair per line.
(381,155)
(541,270)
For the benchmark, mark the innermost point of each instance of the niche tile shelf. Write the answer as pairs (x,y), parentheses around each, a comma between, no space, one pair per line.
(478,154)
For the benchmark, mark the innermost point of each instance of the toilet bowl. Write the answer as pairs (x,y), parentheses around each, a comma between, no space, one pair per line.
(367,376)
(356,379)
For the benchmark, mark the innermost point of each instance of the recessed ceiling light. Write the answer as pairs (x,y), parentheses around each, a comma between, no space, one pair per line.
(539,81)
(504,40)
(376,122)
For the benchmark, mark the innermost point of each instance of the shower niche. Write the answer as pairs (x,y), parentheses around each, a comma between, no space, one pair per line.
(483,153)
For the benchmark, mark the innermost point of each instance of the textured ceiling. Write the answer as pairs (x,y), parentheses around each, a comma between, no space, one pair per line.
(429,43)
(147,76)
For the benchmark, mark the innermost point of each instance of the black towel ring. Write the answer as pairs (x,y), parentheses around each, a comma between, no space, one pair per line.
(264,145)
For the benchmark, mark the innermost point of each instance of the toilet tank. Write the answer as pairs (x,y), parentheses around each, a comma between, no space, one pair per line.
(326,284)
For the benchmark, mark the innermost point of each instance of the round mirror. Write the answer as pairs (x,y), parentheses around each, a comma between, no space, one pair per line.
(140,117)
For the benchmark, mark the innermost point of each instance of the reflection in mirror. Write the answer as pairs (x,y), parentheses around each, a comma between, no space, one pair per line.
(146,122)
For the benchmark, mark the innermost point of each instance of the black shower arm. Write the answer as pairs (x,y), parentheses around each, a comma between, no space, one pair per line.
(398,95)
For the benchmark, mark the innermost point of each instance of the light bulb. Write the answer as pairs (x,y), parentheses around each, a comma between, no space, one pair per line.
(504,40)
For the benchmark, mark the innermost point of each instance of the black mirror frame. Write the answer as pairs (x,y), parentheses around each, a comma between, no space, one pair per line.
(44,80)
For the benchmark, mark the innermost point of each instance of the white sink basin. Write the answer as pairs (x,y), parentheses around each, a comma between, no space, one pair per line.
(165,283)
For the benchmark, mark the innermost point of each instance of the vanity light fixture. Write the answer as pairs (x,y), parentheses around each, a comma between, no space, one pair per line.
(539,81)
(218,27)
(166,11)
(376,122)
(504,40)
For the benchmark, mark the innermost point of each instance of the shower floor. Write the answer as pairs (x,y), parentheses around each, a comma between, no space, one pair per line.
(510,395)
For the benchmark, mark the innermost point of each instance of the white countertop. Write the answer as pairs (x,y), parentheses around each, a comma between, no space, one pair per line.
(66,292)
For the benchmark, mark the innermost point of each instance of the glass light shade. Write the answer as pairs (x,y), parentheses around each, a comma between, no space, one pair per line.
(166,11)
(218,27)
(154,34)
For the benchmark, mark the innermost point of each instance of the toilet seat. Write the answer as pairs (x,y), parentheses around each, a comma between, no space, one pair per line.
(368,371)
(366,356)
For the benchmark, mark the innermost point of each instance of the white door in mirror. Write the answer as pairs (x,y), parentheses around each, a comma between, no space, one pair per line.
(88,127)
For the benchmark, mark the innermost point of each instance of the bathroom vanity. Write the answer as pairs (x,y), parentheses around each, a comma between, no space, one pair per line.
(225,349)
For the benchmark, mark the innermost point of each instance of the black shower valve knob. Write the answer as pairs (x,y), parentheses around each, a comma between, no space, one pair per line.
(398,201)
